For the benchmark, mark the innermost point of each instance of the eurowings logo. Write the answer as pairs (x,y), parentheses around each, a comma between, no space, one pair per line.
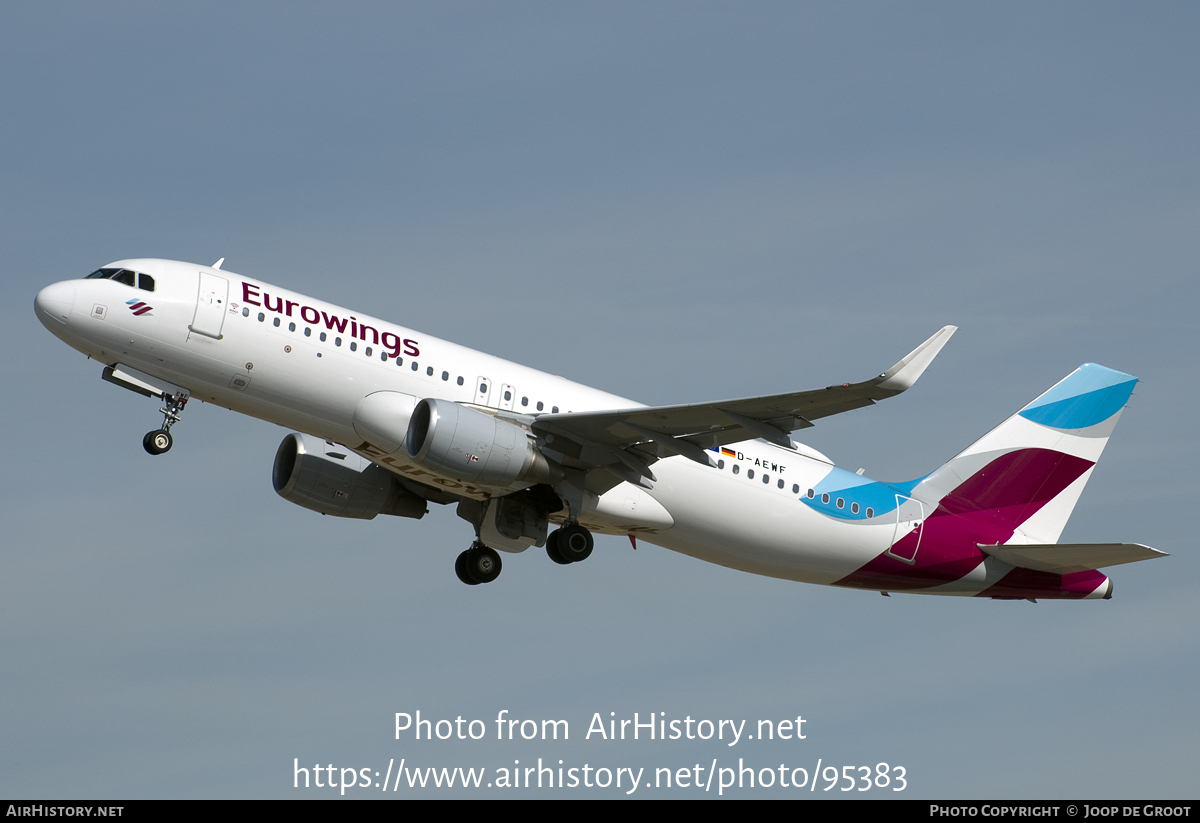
(138,307)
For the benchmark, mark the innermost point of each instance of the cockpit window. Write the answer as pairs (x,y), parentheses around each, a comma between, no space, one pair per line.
(130,278)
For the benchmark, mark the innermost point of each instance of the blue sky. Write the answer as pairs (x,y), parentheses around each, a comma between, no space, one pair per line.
(672,202)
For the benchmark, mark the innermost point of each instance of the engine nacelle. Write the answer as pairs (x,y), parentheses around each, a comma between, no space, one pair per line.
(474,447)
(332,480)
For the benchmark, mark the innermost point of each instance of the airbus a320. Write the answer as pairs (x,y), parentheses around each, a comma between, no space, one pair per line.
(388,420)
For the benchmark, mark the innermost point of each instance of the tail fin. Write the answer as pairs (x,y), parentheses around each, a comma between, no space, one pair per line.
(1025,476)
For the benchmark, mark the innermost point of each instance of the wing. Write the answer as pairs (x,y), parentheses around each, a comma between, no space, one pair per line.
(624,442)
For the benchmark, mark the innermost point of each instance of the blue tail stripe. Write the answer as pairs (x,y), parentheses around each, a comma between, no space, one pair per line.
(1082,410)
(1087,378)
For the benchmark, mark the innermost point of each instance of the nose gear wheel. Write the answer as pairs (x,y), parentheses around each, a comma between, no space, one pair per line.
(157,441)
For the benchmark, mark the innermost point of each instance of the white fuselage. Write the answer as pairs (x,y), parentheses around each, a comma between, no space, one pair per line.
(271,362)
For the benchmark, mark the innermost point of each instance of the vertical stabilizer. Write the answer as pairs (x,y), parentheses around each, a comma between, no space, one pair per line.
(1022,479)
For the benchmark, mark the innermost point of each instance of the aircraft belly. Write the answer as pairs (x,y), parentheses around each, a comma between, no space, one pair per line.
(625,509)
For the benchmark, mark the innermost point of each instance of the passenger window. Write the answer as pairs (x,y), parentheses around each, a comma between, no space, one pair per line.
(870,512)
(554,410)
(415,366)
(524,401)
(322,337)
(720,464)
(368,351)
(812,494)
(337,341)
(460,381)
(825,498)
(383,356)
(540,405)
(276,321)
(291,326)
(841,503)
(854,508)
(508,395)
(353,346)
(736,468)
(780,484)
(145,282)
(245,312)
(261,317)
(429,370)
(445,375)
(796,489)
(307,331)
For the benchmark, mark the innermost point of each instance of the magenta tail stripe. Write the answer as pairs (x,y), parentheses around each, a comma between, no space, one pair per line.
(1017,479)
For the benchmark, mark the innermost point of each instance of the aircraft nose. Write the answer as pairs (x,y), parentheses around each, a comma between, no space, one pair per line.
(55,303)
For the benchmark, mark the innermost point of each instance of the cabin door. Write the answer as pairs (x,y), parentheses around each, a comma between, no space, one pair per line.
(910,518)
(212,299)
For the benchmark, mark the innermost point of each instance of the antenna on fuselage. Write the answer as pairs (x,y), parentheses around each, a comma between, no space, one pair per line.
(217,264)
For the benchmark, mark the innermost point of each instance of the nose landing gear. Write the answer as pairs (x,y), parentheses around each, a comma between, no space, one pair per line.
(160,440)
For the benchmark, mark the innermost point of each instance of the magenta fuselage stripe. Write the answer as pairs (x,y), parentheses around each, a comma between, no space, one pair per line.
(986,508)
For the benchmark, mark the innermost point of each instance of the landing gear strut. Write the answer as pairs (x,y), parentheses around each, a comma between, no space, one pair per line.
(160,440)
(570,544)
(478,564)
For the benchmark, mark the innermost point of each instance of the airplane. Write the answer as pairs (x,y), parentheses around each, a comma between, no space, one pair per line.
(388,420)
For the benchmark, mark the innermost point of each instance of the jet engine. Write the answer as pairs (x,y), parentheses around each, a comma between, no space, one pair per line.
(474,447)
(331,480)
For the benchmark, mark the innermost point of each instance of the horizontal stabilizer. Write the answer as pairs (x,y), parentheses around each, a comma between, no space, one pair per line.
(1067,558)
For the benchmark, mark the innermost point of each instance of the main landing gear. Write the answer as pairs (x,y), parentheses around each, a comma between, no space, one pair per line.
(160,440)
(478,564)
(570,544)
(481,564)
